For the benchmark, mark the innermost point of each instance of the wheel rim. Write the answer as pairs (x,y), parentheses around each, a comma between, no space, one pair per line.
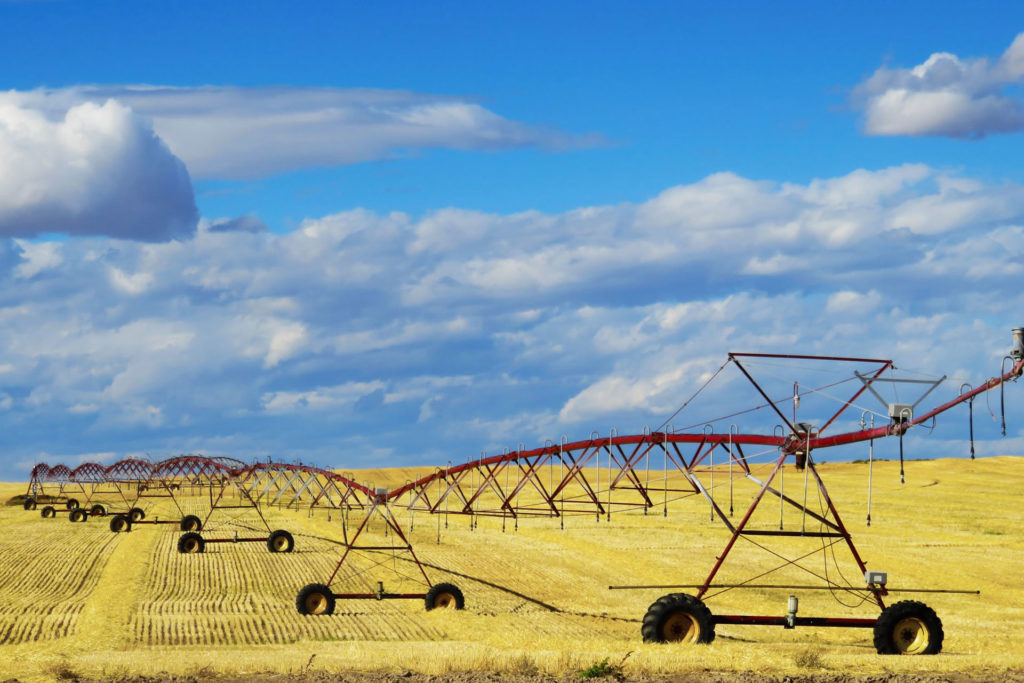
(445,601)
(681,627)
(191,525)
(316,603)
(280,544)
(910,636)
(119,525)
(191,545)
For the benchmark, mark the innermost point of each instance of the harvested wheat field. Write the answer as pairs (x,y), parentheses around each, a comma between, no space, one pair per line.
(77,600)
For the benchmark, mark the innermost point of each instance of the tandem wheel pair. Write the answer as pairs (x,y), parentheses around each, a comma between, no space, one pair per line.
(904,628)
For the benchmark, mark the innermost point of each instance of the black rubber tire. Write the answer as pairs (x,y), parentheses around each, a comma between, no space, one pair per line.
(678,617)
(191,543)
(48,512)
(315,598)
(135,514)
(78,515)
(72,503)
(119,523)
(30,504)
(280,541)
(444,596)
(98,510)
(191,523)
(908,628)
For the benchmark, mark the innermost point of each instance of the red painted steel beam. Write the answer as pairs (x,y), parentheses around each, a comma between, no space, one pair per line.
(791,356)
(856,395)
(379,596)
(753,620)
(155,521)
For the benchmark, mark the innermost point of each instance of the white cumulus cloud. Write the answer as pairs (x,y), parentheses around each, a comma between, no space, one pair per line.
(89,168)
(946,96)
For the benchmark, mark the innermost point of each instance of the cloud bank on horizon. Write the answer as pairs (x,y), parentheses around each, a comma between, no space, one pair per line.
(384,337)
(947,96)
(463,324)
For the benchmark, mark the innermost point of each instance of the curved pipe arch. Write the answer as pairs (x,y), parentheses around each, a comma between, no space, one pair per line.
(129,469)
(89,472)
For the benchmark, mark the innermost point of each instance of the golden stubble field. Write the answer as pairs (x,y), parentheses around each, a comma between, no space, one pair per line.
(76,599)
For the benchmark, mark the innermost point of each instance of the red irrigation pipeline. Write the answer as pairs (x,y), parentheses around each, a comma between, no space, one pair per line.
(579,453)
(589,447)
(790,443)
(897,429)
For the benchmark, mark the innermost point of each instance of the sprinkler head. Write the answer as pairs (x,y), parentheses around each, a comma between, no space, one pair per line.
(791,608)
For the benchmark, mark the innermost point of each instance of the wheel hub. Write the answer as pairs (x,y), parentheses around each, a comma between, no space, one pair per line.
(316,603)
(910,636)
(681,627)
(444,600)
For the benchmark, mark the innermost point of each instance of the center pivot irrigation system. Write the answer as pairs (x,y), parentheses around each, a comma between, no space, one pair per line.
(596,477)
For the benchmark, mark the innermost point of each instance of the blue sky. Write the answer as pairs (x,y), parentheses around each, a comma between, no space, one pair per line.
(362,234)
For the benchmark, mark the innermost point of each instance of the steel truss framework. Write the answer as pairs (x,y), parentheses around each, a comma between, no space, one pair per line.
(166,480)
(595,476)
